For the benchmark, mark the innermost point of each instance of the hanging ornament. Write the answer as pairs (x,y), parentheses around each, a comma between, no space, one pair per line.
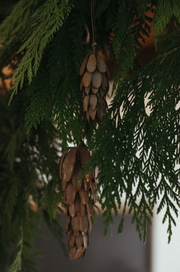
(94,81)
(79,196)
(94,86)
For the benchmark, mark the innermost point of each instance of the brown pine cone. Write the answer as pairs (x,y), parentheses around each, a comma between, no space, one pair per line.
(77,197)
(94,86)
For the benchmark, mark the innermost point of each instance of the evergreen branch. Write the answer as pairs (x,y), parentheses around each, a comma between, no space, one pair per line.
(164,12)
(40,101)
(15,139)
(48,18)
(136,151)
(170,52)
(144,146)
(18,23)
(101,7)
(76,32)
(17,262)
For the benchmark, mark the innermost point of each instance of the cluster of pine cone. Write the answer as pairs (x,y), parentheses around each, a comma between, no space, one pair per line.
(77,196)
(94,86)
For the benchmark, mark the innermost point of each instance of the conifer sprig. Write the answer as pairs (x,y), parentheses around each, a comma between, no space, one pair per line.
(45,22)
(142,148)
(164,12)
(136,148)
(17,262)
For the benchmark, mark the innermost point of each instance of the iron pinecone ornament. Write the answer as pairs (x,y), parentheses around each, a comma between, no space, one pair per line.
(78,194)
(94,86)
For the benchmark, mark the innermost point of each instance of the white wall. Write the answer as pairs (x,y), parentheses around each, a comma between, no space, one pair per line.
(165,257)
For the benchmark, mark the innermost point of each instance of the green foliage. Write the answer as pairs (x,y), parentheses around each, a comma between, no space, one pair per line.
(137,153)
(29,169)
(17,263)
(164,12)
(43,24)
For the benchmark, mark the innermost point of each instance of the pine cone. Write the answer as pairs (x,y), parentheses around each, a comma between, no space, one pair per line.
(94,86)
(77,197)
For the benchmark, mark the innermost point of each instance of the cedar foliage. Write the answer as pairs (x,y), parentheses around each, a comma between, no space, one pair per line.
(131,148)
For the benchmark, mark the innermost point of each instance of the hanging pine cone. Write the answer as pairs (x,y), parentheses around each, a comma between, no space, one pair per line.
(77,197)
(94,86)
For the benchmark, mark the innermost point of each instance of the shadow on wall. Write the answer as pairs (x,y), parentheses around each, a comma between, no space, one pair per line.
(115,253)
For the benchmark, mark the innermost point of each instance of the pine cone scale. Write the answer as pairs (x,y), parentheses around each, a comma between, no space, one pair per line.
(87,79)
(68,164)
(91,63)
